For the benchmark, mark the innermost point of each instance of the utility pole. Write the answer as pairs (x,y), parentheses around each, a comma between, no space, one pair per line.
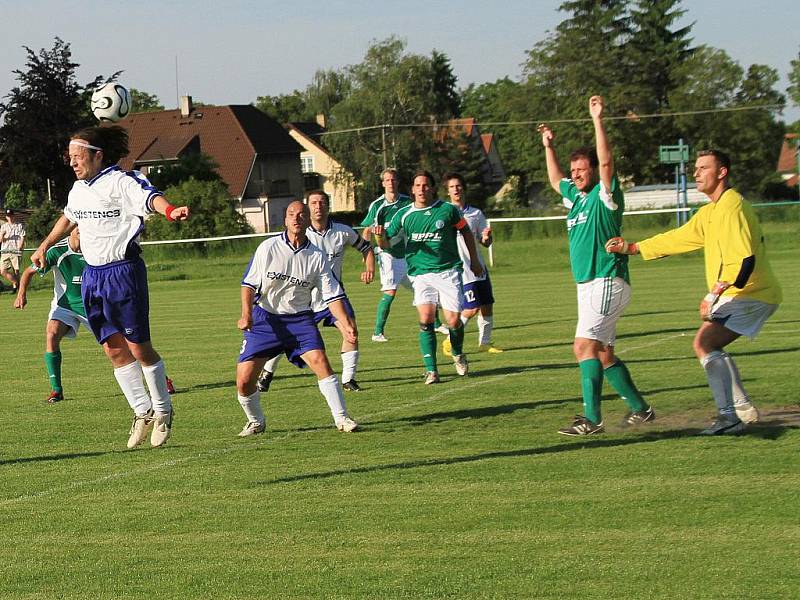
(383,145)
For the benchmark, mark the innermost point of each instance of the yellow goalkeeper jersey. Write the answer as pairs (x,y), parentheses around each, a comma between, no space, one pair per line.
(728,231)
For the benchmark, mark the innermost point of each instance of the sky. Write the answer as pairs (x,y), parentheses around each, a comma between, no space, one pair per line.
(233,51)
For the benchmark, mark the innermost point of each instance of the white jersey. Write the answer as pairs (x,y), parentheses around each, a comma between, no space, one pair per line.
(109,209)
(12,242)
(284,277)
(333,242)
(477,223)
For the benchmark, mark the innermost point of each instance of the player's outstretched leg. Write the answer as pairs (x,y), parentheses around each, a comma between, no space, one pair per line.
(349,367)
(745,409)
(620,379)
(156,378)
(131,381)
(267,373)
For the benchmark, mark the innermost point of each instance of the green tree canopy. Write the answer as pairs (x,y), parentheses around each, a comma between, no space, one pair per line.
(144,102)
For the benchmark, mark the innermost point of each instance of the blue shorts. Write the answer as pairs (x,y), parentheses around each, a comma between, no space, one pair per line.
(326,317)
(272,334)
(116,300)
(478,293)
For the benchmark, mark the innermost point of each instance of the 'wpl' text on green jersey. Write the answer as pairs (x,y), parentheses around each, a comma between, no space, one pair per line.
(431,236)
(67,266)
(593,219)
(380,212)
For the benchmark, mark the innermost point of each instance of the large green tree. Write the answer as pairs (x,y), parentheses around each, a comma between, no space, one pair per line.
(38,117)
(144,102)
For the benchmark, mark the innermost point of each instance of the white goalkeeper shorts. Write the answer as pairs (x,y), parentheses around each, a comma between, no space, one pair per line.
(601,303)
(442,288)
(393,272)
(69,318)
(742,316)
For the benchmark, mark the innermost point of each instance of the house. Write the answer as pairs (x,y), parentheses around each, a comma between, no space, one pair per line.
(258,160)
(788,168)
(661,195)
(320,169)
(494,174)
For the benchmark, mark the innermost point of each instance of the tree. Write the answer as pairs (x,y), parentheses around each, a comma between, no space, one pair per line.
(457,152)
(794,81)
(286,107)
(213,213)
(144,102)
(39,115)
(389,87)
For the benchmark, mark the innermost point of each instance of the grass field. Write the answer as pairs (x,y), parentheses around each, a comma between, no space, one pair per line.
(461,490)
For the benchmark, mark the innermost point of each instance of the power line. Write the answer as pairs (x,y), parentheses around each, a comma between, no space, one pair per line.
(628,117)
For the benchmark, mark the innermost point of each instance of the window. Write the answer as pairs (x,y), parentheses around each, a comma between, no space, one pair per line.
(307,164)
(280,187)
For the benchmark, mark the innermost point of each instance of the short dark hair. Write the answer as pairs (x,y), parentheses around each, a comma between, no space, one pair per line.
(424,173)
(112,140)
(448,176)
(723,160)
(318,193)
(9,211)
(586,152)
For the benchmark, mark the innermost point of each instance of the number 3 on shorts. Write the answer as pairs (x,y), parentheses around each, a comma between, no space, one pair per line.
(244,343)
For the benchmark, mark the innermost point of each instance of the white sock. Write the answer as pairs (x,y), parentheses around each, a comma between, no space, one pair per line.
(334,396)
(720,381)
(740,397)
(485,325)
(349,365)
(464,320)
(156,378)
(251,405)
(130,382)
(271,364)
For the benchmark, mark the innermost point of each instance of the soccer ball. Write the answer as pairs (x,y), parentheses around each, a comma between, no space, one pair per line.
(111,102)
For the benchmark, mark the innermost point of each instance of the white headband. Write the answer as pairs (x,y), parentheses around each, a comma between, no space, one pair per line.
(83,145)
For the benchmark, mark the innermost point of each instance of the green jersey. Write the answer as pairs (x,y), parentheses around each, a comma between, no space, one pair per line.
(67,267)
(593,219)
(381,212)
(431,236)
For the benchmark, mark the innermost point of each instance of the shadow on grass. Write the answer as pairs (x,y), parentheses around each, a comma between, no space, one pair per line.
(771,432)
(691,357)
(56,457)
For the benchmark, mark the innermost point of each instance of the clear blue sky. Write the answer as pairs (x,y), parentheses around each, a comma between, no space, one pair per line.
(252,48)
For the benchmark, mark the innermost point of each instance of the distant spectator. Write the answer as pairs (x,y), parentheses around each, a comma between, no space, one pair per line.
(12,241)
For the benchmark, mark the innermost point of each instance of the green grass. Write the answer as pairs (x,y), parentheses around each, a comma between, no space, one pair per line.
(461,490)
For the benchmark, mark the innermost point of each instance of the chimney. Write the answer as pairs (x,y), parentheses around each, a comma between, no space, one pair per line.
(321,120)
(186,106)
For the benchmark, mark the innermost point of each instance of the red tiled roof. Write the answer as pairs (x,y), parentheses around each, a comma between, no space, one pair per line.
(232,135)
(787,161)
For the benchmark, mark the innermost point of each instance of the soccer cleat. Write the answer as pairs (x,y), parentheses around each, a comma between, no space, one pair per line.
(379,338)
(54,397)
(431,377)
(461,364)
(747,413)
(351,386)
(264,380)
(725,425)
(637,417)
(253,428)
(447,347)
(139,429)
(443,329)
(346,424)
(582,426)
(162,428)
(491,349)
(170,386)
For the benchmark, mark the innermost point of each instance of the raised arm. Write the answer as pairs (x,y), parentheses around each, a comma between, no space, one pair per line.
(554,172)
(604,156)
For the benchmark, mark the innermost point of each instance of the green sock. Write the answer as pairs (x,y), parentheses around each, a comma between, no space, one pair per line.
(427,345)
(457,339)
(53,362)
(384,304)
(592,387)
(620,379)
(437,322)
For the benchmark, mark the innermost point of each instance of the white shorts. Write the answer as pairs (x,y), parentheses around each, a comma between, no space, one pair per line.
(442,288)
(742,316)
(393,272)
(601,303)
(69,318)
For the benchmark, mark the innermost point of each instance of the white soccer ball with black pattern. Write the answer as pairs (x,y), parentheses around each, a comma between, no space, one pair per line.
(111,102)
